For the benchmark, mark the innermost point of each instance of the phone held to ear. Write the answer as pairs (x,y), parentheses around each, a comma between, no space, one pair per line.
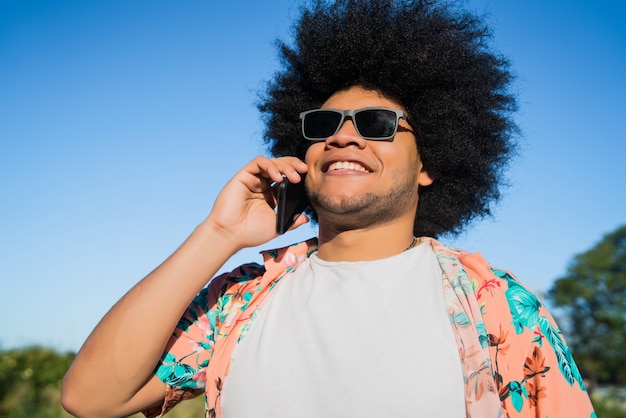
(292,201)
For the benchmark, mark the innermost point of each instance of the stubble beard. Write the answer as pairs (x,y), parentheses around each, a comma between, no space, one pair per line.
(369,209)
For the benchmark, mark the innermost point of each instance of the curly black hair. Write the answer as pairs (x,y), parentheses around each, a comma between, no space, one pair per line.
(432,58)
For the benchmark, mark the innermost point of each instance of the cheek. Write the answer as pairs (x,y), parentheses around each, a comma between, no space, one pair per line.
(313,153)
(403,155)
(412,153)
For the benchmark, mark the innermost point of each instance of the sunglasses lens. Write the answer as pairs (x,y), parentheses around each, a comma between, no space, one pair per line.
(321,124)
(376,123)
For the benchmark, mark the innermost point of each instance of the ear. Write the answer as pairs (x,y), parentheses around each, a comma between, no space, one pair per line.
(423,178)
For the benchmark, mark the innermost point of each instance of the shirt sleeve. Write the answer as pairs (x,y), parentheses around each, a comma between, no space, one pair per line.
(183,366)
(533,367)
(551,384)
(188,352)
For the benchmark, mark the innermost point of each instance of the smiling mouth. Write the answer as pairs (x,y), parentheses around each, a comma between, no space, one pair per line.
(346,165)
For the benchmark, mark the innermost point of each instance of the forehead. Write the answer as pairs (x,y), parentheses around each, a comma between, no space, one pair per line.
(358,97)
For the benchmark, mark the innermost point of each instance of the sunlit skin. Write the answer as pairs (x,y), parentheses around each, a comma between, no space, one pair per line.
(365,192)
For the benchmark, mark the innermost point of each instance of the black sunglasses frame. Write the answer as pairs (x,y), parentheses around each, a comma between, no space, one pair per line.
(351,114)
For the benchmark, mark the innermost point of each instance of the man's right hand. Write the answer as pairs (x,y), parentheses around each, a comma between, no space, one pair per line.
(244,210)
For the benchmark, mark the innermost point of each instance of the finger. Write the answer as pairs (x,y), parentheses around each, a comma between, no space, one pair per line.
(273,169)
(294,169)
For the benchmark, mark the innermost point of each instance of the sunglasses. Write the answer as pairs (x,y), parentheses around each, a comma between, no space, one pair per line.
(374,123)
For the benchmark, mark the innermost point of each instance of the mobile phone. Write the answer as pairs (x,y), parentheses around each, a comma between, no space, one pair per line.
(292,201)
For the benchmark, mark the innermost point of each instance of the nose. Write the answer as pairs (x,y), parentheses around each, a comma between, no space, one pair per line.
(346,135)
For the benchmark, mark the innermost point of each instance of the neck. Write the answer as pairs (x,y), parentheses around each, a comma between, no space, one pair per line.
(365,244)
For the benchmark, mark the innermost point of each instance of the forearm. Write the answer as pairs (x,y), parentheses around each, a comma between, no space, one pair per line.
(120,355)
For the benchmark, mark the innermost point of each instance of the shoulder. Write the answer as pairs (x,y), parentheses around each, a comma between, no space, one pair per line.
(532,364)
(488,281)
(277,259)
(290,256)
(251,278)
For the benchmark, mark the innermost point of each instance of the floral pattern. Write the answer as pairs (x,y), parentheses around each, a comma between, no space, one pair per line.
(514,359)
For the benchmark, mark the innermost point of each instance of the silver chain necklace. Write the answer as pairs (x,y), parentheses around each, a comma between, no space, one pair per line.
(413,243)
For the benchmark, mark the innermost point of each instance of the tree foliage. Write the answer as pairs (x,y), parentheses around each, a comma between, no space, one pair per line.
(30,385)
(29,378)
(592,299)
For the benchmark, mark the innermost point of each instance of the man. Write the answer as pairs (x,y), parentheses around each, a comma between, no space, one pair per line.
(397,113)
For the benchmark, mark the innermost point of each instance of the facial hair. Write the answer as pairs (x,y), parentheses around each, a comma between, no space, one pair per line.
(369,209)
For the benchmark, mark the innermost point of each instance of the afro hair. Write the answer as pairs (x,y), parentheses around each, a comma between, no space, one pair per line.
(434,60)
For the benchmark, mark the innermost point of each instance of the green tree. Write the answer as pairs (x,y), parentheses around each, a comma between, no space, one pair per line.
(30,379)
(30,385)
(591,298)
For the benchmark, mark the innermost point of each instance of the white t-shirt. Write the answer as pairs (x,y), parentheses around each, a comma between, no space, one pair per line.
(350,339)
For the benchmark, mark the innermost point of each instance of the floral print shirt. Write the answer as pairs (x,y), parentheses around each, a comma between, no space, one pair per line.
(515,361)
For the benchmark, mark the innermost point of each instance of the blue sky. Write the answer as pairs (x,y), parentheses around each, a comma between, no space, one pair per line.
(121,120)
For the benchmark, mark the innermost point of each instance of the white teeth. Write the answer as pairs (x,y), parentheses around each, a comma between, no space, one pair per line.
(346,165)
